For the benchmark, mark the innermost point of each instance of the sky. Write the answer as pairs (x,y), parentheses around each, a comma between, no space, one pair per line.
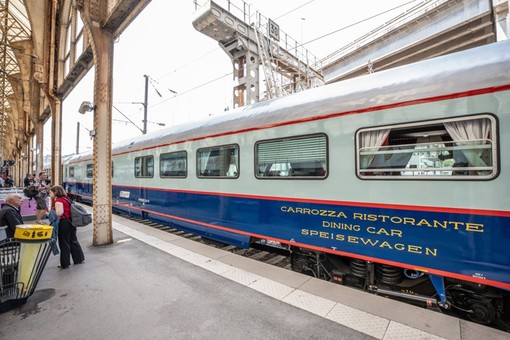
(190,75)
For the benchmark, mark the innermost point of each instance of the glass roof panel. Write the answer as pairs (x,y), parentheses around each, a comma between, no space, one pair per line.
(14,26)
(18,10)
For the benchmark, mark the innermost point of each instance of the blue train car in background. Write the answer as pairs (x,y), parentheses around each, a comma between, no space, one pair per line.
(396,182)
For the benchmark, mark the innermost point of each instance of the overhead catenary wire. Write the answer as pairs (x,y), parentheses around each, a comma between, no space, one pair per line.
(278,17)
(293,10)
(192,89)
(141,130)
(152,81)
(357,23)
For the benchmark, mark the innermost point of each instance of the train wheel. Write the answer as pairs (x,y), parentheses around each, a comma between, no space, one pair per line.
(482,312)
(300,265)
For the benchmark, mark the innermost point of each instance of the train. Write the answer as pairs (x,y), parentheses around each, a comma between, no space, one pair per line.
(395,182)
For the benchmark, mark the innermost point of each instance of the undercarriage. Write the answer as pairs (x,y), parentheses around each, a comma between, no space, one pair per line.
(475,302)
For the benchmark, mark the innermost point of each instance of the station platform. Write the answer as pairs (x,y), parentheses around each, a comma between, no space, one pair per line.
(150,284)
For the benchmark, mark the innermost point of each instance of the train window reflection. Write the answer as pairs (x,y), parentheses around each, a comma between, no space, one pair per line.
(449,148)
(292,157)
(173,164)
(144,166)
(90,170)
(220,161)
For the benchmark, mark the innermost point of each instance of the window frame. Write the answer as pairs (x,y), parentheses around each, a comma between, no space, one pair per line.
(295,137)
(494,139)
(171,153)
(219,147)
(143,157)
(89,170)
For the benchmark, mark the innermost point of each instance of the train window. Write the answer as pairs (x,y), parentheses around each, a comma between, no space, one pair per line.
(90,170)
(292,157)
(71,171)
(464,148)
(220,161)
(144,166)
(173,164)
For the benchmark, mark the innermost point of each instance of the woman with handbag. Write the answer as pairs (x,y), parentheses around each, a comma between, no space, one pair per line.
(67,240)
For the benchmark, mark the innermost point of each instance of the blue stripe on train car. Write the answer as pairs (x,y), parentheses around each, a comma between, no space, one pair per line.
(189,213)
(469,245)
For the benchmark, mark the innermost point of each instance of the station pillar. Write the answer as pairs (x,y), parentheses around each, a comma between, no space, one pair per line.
(93,15)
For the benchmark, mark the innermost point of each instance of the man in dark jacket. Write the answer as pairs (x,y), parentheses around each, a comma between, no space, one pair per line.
(10,215)
(9,182)
(27,181)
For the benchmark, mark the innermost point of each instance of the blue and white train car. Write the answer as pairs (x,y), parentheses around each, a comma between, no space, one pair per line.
(396,182)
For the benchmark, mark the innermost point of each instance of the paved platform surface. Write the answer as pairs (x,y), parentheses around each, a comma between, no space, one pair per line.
(150,284)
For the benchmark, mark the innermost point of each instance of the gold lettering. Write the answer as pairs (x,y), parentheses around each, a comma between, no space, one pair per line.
(429,251)
(383,218)
(343,226)
(438,223)
(395,232)
(392,232)
(399,246)
(423,222)
(414,249)
(456,224)
(396,219)
(375,243)
(352,239)
(357,216)
(385,244)
(474,227)
(369,241)
(409,220)
(341,214)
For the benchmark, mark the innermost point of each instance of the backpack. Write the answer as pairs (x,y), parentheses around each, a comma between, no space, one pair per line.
(30,191)
(79,216)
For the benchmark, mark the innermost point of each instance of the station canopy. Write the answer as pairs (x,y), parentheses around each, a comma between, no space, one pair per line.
(15,32)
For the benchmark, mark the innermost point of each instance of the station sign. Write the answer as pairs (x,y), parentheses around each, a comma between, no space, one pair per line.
(273,30)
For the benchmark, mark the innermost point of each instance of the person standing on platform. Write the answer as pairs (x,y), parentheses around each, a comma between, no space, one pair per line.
(67,240)
(9,182)
(27,181)
(10,215)
(42,185)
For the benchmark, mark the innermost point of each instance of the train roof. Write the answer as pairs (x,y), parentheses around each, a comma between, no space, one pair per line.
(478,68)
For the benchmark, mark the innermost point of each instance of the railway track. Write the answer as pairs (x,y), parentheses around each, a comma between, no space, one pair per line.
(271,254)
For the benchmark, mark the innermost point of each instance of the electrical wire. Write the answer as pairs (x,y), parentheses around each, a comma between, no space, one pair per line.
(358,22)
(192,89)
(292,10)
(279,17)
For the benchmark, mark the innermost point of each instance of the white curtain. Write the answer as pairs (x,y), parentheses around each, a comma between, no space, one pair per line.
(470,130)
(372,139)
